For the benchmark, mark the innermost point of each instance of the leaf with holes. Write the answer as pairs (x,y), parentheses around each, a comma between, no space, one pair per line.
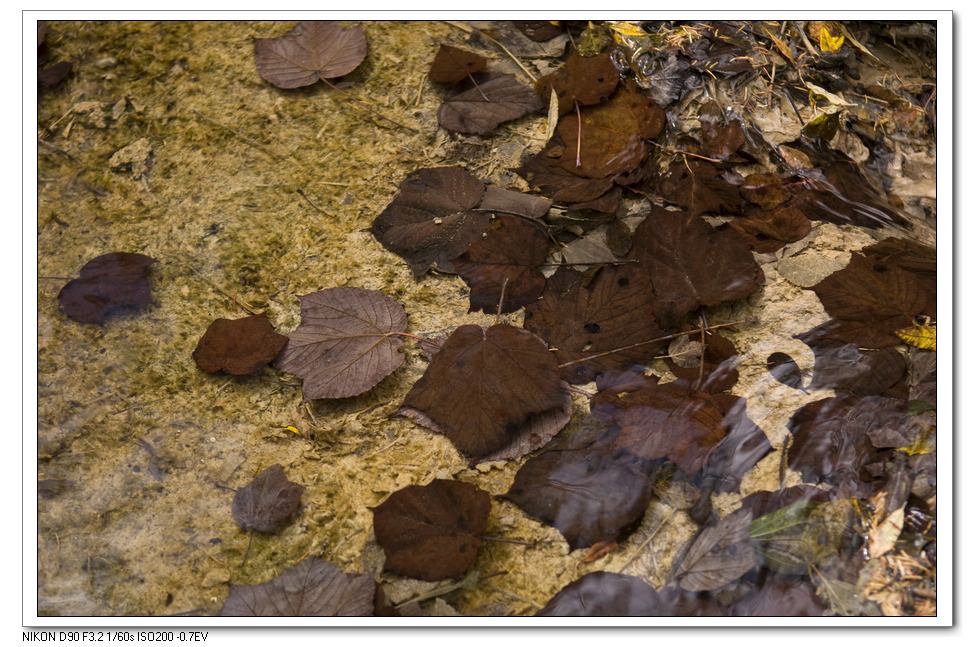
(432,532)
(313,50)
(586,80)
(346,343)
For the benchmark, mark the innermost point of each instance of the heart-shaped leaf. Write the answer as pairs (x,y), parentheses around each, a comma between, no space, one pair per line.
(313,50)
(345,344)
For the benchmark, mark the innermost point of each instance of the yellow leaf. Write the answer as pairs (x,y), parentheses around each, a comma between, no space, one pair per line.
(292,429)
(626,28)
(923,337)
(829,43)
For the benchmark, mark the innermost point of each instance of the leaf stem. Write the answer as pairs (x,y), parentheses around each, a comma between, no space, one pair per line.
(364,105)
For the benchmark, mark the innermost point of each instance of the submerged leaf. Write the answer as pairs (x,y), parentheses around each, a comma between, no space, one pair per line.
(239,346)
(923,337)
(432,532)
(266,501)
(481,108)
(313,50)
(345,344)
(451,64)
(313,587)
(614,594)
(719,554)
(107,283)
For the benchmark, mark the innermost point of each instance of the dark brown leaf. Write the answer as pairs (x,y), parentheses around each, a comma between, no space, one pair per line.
(432,532)
(451,64)
(739,451)
(508,258)
(845,366)
(239,346)
(50,76)
(345,344)
(514,202)
(770,231)
(266,501)
(107,283)
(614,594)
(701,187)
(721,137)
(544,174)
(613,311)
(780,596)
(313,50)
(488,103)
(586,80)
(430,223)
(692,264)
(484,387)
(313,587)
(719,554)
(720,357)
(765,190)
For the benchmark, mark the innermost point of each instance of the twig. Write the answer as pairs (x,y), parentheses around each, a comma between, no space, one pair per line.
(366,106)
(578,137)
(240,135)
(314,206)
(523,68)
(682,152)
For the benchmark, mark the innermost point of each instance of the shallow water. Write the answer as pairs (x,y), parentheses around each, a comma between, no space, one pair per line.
(254,196)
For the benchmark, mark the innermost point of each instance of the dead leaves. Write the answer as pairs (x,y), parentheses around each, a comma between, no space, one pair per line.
(313,50)
(266,501)
(480,106)
(107,283)
(239,346)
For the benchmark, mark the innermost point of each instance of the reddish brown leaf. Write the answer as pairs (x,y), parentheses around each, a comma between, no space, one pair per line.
(266,501)
(920,260)
(769,231)
(507,258)
(432,532)
(718,555)
(451,64)
(107,283)
(313,50)
(484,387)
(586,80)
(845,366)
(701,187)
(486,103)
(692,264)
(314,587)
(765,190)
(430,223)
(613,311)
(514,202)
(613,135)
(544,174)
(719,372)
(721,138)
(238,346)
(345,344)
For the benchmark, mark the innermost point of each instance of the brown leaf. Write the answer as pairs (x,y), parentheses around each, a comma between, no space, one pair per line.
(430,223)
(313,587)
(544,174)
(508,258)
(586,80)
(344,345)
(614,594)
(239,346)
(721,138)
(770,231)
(432,532)
(107,283)
(313,50)
(701,187)
(451,64)
(266,501)
(484,386)
(719,554)
(489,103)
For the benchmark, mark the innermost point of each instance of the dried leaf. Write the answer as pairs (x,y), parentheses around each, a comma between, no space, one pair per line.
(923,337)
(107,283)
(489,103)
(586,80)
(266,501)
(313,587)
(719,554)
(239,346)
(313,50)
(432,532)
(451,64)
(345,344)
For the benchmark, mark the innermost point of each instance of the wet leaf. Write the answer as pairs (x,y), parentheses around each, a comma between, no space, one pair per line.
(107,283)
(784,369)
(514,202)
(923,337)
(313,587)
(845,366)
(615,594)
(507,258)
(799,535)
(238,346)
(721,137)
(780,596)
(718,555)
(484,388)
(430,222)
(586,80)
(452,64)
(579,320)
(765,190)
(481,106)
(720,357)
(770,231)
(589,491)
(740,450)
(345,344)
(692,264)
(701,187)
(432,532)
(313,50)
(266,501)
(543,173)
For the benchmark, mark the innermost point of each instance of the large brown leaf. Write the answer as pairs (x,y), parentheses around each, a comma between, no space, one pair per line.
(345,344)
(613,311)
(692,264)
(485,104)
(432,532)
(430,223)
(506,259)
(543,173)
(484,388)
(107,283)
(613,594)
(718,555)
(313,50)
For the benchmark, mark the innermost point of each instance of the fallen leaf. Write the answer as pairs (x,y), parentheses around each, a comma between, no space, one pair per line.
(266,501)
(313,50)
(451,64)
(506,260)
(239,346)
(720,358)
(614,594)
(780,596)
(313,587)
(923,337)
(484,386)
(701,187)
(432,532)
(721,136)
(481,106)
(765,190)
(583,80)
(514,202)
(719,554)
(741,449)
(544,174)
(107,283)
(345,344)
(845,366)
(770,231)
(430,222)
(692,264)
(613,312)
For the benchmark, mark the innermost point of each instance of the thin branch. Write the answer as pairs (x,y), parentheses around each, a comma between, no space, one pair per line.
(366,106)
